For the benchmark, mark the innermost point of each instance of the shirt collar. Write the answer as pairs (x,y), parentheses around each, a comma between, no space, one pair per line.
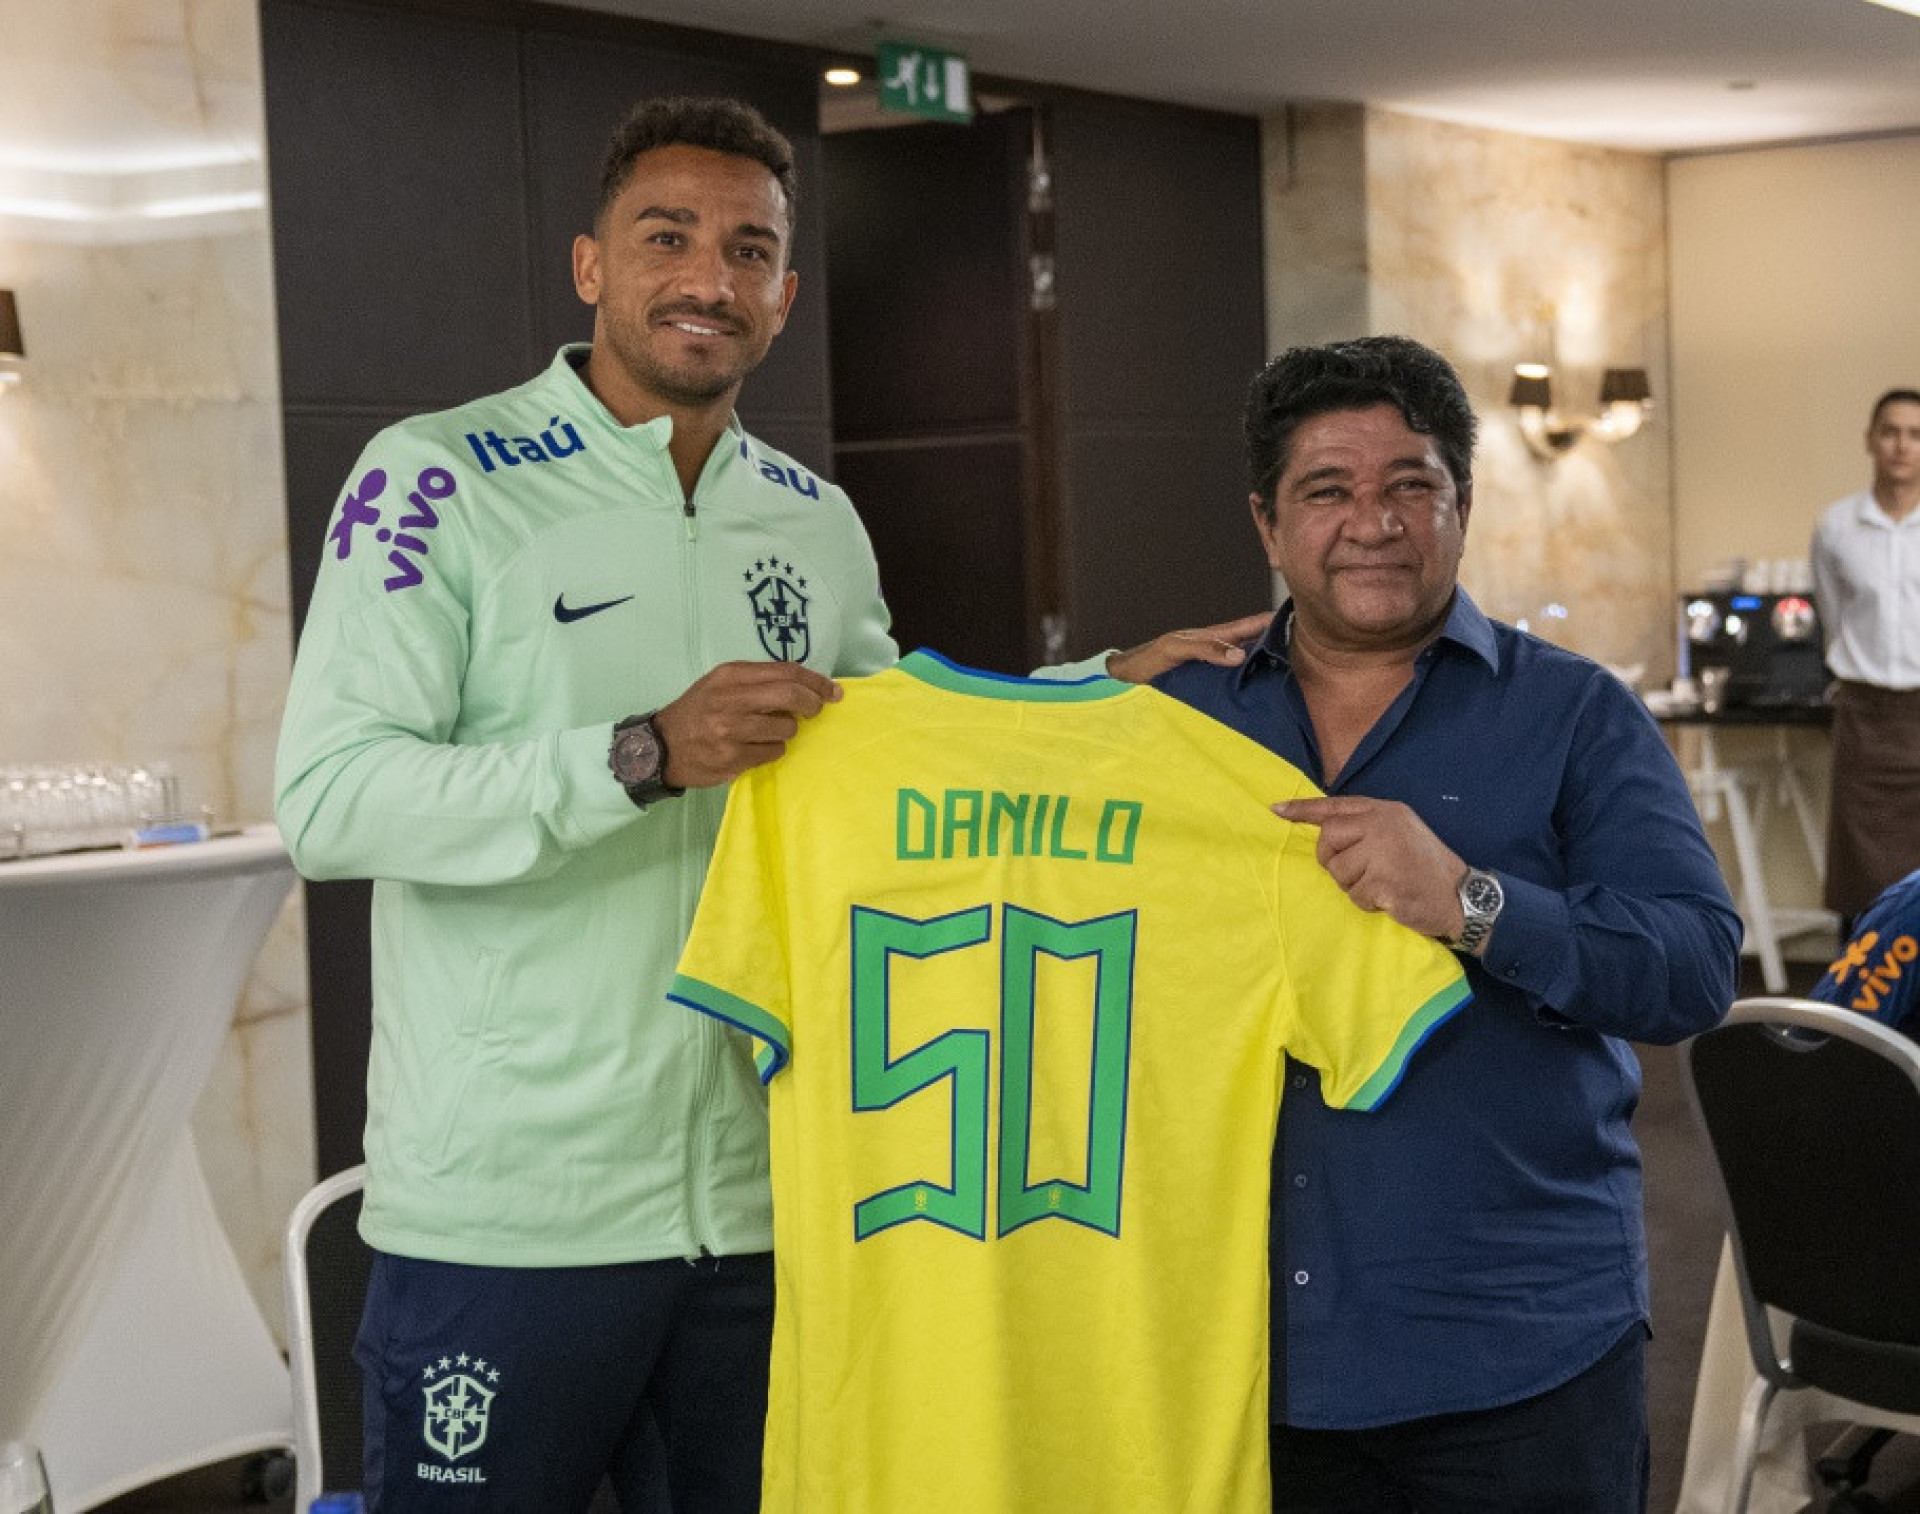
(1466,626)
(1872,513)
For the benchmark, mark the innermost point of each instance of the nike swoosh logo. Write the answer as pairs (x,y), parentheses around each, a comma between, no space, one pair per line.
(567,614)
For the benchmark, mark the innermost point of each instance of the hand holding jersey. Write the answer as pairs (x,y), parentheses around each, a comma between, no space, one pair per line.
(1386,858)
(736,717)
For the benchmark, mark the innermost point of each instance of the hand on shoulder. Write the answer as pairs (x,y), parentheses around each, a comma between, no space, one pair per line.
(1223,645)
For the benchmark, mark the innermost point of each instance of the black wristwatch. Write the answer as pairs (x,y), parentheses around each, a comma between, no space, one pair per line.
(638,758)
(1481,900)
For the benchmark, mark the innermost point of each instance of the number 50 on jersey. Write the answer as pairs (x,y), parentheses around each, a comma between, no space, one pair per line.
(963,1059)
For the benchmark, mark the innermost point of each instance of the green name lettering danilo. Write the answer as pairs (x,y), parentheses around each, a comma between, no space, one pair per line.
(988,823)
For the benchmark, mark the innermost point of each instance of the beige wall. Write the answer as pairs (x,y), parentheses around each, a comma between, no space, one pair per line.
(1795,304)
(1796,301)
(143,564)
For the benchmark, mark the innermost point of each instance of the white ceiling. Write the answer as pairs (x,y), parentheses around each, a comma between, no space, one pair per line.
(133,118)
(1651,75)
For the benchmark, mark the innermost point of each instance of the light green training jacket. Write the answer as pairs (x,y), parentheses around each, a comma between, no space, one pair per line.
(500,583)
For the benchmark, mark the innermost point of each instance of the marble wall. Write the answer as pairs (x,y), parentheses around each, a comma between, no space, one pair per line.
(143,582)
(1493,249)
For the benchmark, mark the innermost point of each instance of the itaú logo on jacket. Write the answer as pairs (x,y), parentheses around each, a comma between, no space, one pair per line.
(495,451)
(796,479)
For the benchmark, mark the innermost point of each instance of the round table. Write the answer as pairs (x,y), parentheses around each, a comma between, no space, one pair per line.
(130,1348)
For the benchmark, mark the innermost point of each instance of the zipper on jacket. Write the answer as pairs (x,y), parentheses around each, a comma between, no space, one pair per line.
(699,1154)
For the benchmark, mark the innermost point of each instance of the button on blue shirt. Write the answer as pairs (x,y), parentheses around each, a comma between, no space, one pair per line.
(1478,1239)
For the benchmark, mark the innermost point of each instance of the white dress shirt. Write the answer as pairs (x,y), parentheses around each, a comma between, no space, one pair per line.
(1866,576)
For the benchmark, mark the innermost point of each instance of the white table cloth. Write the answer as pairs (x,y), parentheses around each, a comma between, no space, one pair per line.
(130,1348)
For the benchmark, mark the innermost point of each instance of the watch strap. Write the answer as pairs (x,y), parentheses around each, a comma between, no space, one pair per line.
(1476,888)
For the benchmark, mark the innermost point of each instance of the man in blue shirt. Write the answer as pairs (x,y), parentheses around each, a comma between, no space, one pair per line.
(1460,1281)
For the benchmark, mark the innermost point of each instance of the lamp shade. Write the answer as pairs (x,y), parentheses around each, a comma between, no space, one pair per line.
(1624,386)
(11,343)
(1531,387)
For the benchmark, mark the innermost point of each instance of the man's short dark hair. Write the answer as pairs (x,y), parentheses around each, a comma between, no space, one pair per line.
(1374,370)
(729,126)
(1892,397)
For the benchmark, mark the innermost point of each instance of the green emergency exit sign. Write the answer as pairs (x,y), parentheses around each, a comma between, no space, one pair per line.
(924,81)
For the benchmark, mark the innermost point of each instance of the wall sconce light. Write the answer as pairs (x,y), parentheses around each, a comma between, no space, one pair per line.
(13,349)
(1625,398)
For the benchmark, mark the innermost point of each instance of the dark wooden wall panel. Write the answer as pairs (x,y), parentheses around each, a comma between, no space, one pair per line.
(398,192)
(946,525)
(924,234)
(1161,328)
(340,969)
(924,238)
(1162,537)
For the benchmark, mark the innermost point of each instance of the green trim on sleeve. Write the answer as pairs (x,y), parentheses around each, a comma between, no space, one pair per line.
(1422,1023)
(774,1050)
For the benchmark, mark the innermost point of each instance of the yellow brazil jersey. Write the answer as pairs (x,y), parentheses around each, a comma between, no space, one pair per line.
(1020,960)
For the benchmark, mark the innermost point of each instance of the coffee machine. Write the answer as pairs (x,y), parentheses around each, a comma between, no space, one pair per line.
(1767,646)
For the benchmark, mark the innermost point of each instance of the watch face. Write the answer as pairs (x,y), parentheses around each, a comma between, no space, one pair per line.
(636,755)
(1481,894)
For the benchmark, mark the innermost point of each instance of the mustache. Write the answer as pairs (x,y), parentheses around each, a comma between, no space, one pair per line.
(711,315)
(1373,560)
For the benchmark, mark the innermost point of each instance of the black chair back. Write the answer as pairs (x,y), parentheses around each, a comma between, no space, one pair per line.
(1813,1113)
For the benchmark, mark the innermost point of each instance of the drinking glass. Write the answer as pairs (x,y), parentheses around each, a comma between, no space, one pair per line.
(65,807)
(23,1480)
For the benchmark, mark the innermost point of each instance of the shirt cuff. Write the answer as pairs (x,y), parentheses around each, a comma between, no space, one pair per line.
(1531,945)
(590,803)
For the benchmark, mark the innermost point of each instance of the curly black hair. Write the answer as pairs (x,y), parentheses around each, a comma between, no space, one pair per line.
(724,125)
(1373,370)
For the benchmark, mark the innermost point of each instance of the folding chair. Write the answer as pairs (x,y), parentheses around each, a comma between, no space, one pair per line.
(325,1272)
(1813,1114)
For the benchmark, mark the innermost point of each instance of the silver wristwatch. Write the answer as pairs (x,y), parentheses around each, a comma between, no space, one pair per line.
(1481,899)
